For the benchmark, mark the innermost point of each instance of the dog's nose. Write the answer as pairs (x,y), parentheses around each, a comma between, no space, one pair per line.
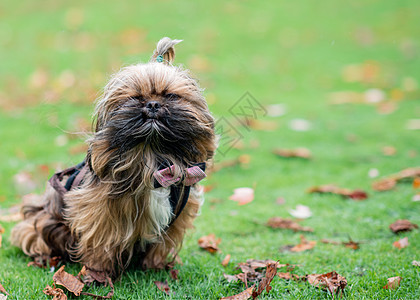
(153,106)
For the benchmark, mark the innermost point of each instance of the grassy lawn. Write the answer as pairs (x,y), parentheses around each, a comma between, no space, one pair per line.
(56,57)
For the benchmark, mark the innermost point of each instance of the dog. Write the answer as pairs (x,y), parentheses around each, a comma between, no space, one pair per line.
(136,192)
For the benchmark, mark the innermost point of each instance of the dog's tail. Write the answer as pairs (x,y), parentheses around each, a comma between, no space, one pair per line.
(165,51)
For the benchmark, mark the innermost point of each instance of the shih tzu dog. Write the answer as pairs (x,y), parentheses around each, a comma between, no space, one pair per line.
(136,192)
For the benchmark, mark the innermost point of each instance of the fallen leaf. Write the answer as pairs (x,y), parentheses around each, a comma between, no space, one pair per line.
(374,96)
(225,164)
(280,201)
(347,193)
(250,267)
(402,243)
(263,125)
(174,274)
(389,150)
(257,263)
(301,212)
(332,281)
(304,245)
(390,181)
(416,183)
(226,260)
(384,185)
(298,152)
(209,243)
(288,276)
(163,286)
(56,292)
(242,195)
(277,222)
(300,125)
(393,283)
(45,261)
(3,290)
(230,278)
(276,110)
(402,225)
(1,232)
(69,281)
(241,296)
(343,97)
(413,124)
(264,284)
(350,244)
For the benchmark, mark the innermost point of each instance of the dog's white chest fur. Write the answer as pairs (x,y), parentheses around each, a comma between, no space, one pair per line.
(160,208)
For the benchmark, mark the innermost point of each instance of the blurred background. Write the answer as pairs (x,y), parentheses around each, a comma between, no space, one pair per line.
(305,59)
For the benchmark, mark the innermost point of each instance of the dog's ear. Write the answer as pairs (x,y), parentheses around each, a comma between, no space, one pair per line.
(165,51)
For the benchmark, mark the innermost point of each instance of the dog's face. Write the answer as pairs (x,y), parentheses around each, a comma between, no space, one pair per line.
(150,114)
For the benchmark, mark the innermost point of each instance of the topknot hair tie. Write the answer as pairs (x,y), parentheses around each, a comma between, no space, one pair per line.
(159,58)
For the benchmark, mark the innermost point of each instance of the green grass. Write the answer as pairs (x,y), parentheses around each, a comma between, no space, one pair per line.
(281,52)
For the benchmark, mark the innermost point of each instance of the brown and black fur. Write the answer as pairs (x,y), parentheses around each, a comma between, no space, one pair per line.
(106,221)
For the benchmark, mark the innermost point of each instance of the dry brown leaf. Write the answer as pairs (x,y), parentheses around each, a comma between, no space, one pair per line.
(226,260)
(288,276)
(230,278)
(69,281)
(384,185)
(174,274)
(90,276)
(350,244)
(56,292)
(264,284)
(257,263)
(3,290)
(393,283)
(298,153)
(347,193)
(241,296)
(163,286)
(402,243)
(402,225)
(45,261)
(304,245)
(264,125)
(243,161)
(277,222)
(209,243)
(249,269)
(332,281)
(390,181)
(416,183)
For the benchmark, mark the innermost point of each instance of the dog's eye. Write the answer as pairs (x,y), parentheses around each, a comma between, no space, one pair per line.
(172,97)
(139,98)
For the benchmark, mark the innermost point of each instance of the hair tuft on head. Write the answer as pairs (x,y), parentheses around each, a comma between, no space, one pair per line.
(165,51)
